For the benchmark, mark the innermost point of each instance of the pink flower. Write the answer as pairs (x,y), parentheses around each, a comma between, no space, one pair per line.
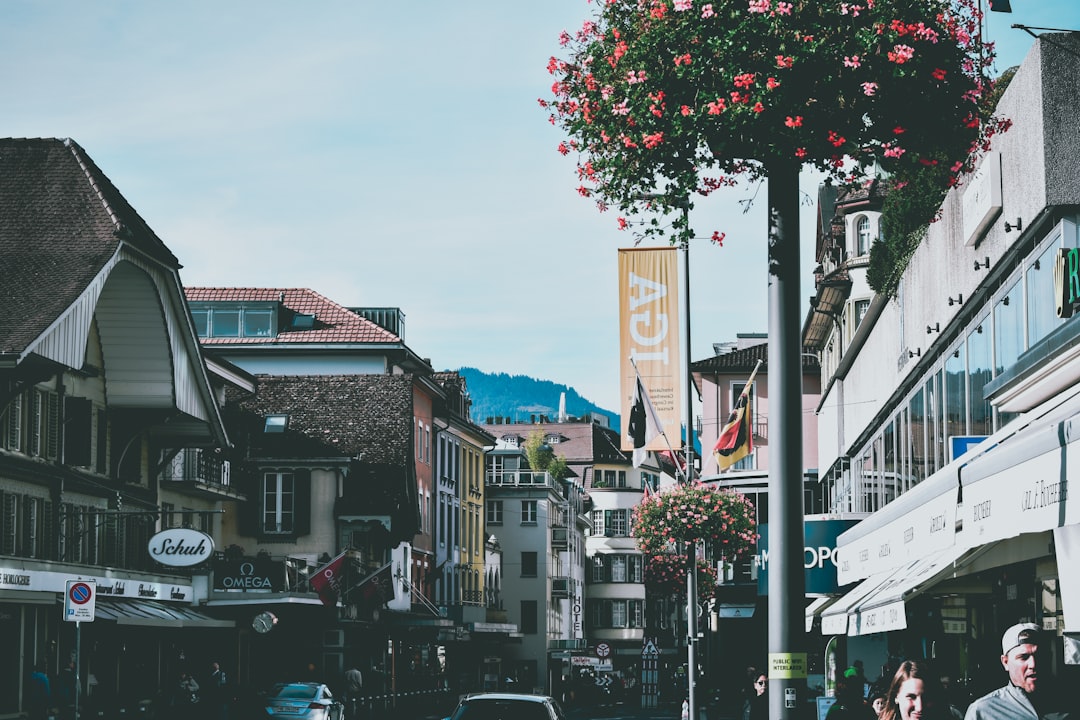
(869,88)
(938,74)
(772,83)
(682,59)
(686,110)
(794,122)
(563,149)
(800,152)
(681,5)
(900,54)
(651,141)
(623,224)
(784,61)
(717,106)
(758,107)
(783,8)
(707,11)
(759,6)
(852,61)
(718,238)
(892,151)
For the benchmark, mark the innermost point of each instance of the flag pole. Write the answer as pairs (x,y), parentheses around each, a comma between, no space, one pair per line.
(663,433)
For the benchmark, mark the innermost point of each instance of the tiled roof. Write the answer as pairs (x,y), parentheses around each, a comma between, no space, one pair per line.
(582,444)
(334,323)
(334,416)
(744,361)
(61,220)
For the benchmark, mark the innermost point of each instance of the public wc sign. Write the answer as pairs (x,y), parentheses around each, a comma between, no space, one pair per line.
(181,547)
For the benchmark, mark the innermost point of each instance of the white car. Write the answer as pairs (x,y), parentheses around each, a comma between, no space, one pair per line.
(303,701)
(507,706)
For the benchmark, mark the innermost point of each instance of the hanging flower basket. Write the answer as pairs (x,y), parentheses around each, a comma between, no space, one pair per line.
(723,519)
(665,575)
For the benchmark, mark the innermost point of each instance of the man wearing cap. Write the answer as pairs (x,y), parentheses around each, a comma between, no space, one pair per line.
(1027,695)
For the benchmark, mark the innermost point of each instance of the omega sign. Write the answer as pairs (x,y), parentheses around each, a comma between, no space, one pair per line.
(181,547)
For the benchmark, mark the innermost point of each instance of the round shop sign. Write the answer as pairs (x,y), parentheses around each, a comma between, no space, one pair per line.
(603,650)
(181,547)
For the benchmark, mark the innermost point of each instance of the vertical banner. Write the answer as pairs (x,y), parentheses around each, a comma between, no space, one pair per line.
(649,334)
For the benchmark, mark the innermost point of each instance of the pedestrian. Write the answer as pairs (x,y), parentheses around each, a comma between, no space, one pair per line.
(217,693)
(877,702)
(1028,694)
(850,703)
(685,715)
(65,687)
(354,689)
(915,694)
(39,693)
(756,706)
(186,694)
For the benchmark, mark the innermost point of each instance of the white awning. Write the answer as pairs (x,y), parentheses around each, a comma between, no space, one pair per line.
(884,608)
(834,620)
(816,607)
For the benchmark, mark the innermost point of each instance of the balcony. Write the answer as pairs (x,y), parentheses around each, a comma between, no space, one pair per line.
(560,538)
(561,588)
(199,472)
(518,478)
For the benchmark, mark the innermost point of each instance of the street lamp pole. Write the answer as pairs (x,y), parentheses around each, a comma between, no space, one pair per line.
(691,549)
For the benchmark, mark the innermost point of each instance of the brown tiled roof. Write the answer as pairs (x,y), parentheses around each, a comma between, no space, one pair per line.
(334,323)
(334,416)
(744,361)
(61,220)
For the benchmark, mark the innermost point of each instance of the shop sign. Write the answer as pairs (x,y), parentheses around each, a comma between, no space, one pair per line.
(819,555)
(180,547)
(248,573)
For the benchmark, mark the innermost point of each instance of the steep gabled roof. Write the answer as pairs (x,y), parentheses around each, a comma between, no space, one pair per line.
(61,221)
(334,323)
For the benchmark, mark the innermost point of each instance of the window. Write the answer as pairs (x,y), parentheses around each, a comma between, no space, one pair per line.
(637,568)
(616,523)
(528,564)
(860,308)
(597,522)
(276,423)
(528,512)
(528,617)
(279,502)
(862,236)
(234,320)
(495,512)
(620,479)
(650,480)
(599,571)
(618,568)
(618,613)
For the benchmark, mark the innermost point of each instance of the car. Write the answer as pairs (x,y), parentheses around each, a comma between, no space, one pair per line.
(303,701)
(507,706)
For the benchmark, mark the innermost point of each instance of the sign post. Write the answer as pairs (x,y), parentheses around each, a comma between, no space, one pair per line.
(80,601)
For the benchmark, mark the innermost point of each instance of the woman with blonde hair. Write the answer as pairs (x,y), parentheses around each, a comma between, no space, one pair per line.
(915,694)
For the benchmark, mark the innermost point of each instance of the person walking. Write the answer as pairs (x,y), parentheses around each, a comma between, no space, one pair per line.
(915,694)
(850,703)
(39,694)
(1028,695)
(217,693)
(756,706)
(354,688)
(185,695)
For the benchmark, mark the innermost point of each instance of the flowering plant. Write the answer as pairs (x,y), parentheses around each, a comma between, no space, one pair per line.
(691,512)
(665,574)
(666,99)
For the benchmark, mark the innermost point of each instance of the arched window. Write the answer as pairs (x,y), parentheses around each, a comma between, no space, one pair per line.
(862,236)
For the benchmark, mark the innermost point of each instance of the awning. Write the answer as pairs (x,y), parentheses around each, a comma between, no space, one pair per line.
(154,613)
(816,607)
(884,608)
(834,620)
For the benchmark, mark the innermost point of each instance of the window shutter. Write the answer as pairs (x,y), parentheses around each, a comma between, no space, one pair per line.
(77,431)
(302,523)
(50,539)
(14,424)
(607,523)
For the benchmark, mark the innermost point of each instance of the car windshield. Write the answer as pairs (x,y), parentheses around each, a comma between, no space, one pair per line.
(295,692)
(502,710)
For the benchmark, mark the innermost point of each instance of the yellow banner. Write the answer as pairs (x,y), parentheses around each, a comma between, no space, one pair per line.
(649,333)
(787,666)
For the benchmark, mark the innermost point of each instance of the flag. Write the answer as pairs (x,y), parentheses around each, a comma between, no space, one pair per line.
(327,580)
(377,589)
(1000,6)
(736,440)
(645,425)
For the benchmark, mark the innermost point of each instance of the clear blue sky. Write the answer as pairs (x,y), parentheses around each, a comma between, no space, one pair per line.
(383,154)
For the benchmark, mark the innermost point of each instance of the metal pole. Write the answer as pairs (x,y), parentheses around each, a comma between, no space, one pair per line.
(78,662)
(691,549)
(787,584)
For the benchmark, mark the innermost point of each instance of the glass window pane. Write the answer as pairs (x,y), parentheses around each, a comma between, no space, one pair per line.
(226,323)
(979,374)
(1042,316)
(257,323)
(201,319)
(917,419)
(956,393)
(1008,329)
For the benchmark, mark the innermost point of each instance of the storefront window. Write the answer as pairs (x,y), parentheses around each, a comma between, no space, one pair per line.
(1042,316)
(917,445)
(1008,328)
(980,372)
(956,392)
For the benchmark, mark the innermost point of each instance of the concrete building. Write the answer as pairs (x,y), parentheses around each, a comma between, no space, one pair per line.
(949,410)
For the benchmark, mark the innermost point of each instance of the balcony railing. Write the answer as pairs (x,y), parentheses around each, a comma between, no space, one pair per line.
(530,478)
(560,537)
(194,465)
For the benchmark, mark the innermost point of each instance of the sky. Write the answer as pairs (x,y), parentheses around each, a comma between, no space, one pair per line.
(385,154)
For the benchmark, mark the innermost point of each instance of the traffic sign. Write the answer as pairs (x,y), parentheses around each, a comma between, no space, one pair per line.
(80,600)
(603,650)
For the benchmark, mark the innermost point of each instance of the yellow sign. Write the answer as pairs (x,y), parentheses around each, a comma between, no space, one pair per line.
(787,666)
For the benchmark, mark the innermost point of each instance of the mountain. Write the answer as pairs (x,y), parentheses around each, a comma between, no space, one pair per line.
(523,399)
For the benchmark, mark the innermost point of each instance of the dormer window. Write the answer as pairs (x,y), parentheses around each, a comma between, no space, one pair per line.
(553,439)
(233,320)
(275,424)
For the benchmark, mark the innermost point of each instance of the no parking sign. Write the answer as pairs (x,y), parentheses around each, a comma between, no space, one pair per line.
(79,600)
